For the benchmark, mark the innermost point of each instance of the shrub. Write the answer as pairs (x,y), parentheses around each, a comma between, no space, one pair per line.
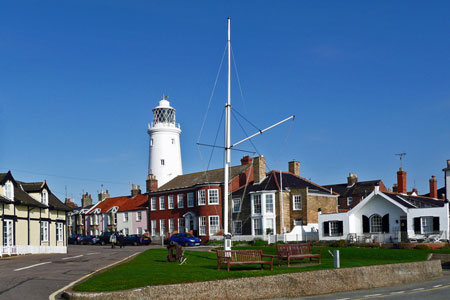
(339,244)
(405,246)
(422,247)
(258,242)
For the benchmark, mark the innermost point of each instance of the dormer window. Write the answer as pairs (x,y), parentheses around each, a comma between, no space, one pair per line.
(44,197)
(8,190)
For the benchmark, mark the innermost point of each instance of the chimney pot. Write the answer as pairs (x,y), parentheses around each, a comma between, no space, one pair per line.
(352,179)
(246,160)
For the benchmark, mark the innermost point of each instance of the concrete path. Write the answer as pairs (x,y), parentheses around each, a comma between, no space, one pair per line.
(38,276)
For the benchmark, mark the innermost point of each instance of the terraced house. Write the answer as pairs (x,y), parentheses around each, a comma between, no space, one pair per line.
(33,219)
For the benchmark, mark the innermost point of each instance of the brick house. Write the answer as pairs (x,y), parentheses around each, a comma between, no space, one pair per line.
(352,192)
(193,202)
(278,202)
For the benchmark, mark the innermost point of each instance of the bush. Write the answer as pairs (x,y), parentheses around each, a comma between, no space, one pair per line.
(422,247)
(339,244)
(258,242)
(405,246)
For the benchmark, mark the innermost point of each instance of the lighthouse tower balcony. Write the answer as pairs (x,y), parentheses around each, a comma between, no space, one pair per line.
(164,149)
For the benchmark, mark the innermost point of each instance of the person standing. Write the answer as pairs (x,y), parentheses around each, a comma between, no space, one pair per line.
(121,240)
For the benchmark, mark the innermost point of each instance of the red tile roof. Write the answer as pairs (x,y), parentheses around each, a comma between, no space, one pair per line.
(125,203)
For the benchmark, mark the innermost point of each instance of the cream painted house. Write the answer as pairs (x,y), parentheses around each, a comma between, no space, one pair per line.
(33,219)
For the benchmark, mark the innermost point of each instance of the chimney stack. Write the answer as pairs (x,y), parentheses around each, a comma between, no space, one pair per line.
(135,190)
(103,195)
(433,187)
(246,160)
(352,179)
(151,183)
(86,200)
(294,167)
(259,168)
(395,188)
(401,181)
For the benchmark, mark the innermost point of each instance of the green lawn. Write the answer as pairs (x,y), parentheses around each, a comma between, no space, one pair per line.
(151,268)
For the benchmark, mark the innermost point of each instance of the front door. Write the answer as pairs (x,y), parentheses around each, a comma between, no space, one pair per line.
(7,232)
(403,230)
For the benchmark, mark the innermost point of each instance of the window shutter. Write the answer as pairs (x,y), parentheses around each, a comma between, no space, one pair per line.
(416,225)
(436,224)
(340,227)
(326,228)
(366,226)
(385,223)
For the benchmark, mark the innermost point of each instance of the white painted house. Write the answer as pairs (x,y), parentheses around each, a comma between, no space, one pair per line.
(388,217)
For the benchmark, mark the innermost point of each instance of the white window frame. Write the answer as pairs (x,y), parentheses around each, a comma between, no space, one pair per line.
(126,231)
(180,200)
(96,219)
(349,201)
(297,202)
(236,201)
(138,216)
(162,202)
(254,227)
(171,225)
(153,204)
(162,227)
(8,232)
(256,198)
(8,190)
(91,220)
(213,197)
(202,226)
(139,230)
(380,225)
(266,196)
(114,215)
(272,226)
(181,220)
(170,202)
(44,197)
(334,228)
(214,224)
(125,217)
(190,200)
(44,231)
(426,222)
(154,227)
(236,232)
(201,197)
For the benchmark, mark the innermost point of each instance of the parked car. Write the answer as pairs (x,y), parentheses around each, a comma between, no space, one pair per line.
(137,239)
(184,239)
(89,240)
(75,239)
(103,239)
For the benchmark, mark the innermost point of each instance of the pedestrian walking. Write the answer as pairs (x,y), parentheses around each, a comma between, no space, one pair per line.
(113,240)
(121,240)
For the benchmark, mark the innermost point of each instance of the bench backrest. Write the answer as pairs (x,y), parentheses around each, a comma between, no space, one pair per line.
(240,255)
(293,249)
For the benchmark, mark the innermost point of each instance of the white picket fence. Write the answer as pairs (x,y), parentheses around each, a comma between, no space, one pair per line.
(21,250)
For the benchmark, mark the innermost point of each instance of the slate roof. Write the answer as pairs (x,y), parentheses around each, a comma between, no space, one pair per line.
(125,203)
(21,197)
(53,201)
(33,187)
(359,189)
(440,192)
(272,182)
(415,201)
(211,176)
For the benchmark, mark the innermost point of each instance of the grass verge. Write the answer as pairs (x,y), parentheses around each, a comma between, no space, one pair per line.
(151,268)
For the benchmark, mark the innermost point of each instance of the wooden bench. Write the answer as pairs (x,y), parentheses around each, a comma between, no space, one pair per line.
(295,251)
(242,257)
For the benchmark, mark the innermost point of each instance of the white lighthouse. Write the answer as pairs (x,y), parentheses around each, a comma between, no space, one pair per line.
(164,160)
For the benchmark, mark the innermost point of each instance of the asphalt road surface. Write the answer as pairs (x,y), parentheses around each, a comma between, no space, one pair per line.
(437,289)
(38,276)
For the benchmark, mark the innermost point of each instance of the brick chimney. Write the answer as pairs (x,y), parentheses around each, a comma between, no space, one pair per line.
(294,167)
(259,168)
(352,179)
(246,160)
(135,190)
(401,181)
(433,187)
(151,183)
(86,200)
(103,195)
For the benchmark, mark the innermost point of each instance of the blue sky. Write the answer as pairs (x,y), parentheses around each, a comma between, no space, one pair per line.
(366,80)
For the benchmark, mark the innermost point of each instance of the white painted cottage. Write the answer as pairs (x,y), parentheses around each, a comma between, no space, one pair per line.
(388,217)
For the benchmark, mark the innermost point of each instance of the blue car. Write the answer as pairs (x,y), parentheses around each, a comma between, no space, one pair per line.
(137,239)
(184,239)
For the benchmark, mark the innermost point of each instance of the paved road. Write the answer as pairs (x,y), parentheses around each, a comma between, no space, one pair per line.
(437,289)
(37,276)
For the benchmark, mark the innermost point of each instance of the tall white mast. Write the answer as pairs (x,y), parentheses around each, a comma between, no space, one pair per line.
(227,138)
